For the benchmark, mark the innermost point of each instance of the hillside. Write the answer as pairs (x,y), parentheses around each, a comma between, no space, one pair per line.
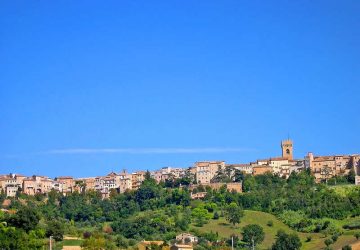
(224,229)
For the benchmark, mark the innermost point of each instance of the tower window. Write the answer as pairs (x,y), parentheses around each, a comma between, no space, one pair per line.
(288,151)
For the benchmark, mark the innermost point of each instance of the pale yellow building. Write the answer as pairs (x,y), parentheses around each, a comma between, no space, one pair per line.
(325,167)
(37,184)
(206,170)
(67,184)
(137,178)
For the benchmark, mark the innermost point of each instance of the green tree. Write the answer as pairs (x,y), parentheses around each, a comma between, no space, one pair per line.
(357,235)
(93,243)
(121,242)
(249,183)
(221,175)
(26,218)
(238,175)
(253,234)
(55,229)
(233,213)
(326,172)
(201,216)
(351,176)
(347,247)
(286,241)
(328,242)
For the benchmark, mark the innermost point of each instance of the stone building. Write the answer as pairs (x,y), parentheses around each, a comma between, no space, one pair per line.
(287,149)
(325,167)
(10,184)
(67,183)
(37,184)
(137,178)
(206,170)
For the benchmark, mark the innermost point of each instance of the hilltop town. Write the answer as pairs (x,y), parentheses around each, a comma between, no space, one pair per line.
(203,173)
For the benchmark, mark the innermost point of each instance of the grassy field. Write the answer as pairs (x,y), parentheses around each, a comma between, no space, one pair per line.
(72,242)
(224,229)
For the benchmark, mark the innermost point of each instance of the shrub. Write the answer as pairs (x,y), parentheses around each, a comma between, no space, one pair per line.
(308,238)
(328,242)
(357,235)
(270,223)
(107,229)
(334,237)
(55,229)
(347,247)
(121,241)
(86,235)
(132,242)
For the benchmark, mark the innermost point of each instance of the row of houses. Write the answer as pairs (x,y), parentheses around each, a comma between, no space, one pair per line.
(202,172)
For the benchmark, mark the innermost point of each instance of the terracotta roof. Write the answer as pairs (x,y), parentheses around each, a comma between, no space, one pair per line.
(64,177)
(278,159)
(19,175)
(274,159)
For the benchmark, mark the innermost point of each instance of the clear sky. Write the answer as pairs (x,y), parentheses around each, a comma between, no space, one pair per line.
(87,87)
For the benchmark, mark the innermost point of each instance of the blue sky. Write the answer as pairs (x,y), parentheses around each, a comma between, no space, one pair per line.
(87,87)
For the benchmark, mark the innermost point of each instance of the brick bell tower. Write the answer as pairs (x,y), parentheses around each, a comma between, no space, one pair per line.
(287,149)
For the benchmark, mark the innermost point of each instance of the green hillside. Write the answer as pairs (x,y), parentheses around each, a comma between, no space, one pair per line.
(224,229)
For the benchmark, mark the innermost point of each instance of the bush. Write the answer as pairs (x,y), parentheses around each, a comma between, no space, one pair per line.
(121,242)
(270,223)
(87,235)
(308,238)
(328,242)
(357,235)
(347,247)
(132,242)
(334,237)
(216,216)
(55,229)
(107,229)
(286,241)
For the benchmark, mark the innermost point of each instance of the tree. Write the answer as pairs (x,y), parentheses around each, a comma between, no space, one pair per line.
(201,216)
(233,213)
(26,218)
(55,229)
(326,172)
(249,183)
(328,242)
(347,247)
(253,234)
(94,243)
(286,241)
(351,176)
(220,176)
(238,175)
(357,235)
(121,242)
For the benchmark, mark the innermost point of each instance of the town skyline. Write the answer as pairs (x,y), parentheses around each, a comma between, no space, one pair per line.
(213,173)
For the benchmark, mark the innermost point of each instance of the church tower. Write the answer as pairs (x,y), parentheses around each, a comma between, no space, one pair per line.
(287,149)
